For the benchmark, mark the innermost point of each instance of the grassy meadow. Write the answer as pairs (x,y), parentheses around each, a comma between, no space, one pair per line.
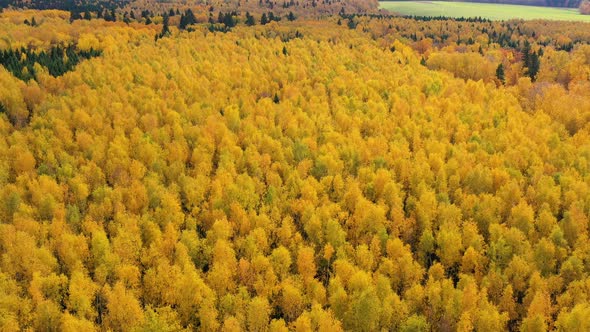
(485,10)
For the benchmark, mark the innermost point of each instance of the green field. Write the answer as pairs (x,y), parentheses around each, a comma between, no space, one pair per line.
(485,10)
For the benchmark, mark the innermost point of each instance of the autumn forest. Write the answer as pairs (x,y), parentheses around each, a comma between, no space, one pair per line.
(291,166)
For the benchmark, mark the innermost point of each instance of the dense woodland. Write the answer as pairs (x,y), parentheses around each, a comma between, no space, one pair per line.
(126,7)
(354,173)
(475,48)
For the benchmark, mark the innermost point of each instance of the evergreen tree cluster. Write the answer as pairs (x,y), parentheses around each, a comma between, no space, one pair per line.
(213,27)
(228,19)
(531,62)
(500,74)
(186,19)
(165,28)
(108,15)
(58,60)
(32,22)
(250,21)
(224,23)
(269,17)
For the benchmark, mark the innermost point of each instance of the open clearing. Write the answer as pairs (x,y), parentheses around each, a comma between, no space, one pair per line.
(484,10)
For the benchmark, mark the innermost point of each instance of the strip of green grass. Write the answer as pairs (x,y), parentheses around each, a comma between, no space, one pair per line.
(484,10)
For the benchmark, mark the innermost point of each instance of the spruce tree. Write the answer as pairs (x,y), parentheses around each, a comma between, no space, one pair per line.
(531,61)
(165,29)
(534,66)
(189,19)
(250,19)
(229,20)
(500,73)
